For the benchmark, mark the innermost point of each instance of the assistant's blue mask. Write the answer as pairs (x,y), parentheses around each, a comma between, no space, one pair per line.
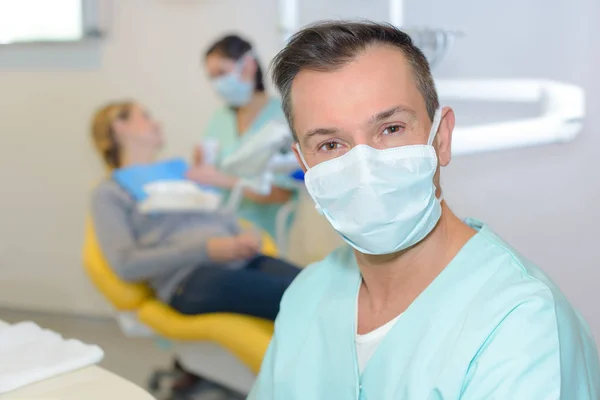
(235,91)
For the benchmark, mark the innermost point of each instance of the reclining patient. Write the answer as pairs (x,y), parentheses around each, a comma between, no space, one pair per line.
(154,226)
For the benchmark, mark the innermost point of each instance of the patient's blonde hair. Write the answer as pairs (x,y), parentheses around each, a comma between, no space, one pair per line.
(103,132)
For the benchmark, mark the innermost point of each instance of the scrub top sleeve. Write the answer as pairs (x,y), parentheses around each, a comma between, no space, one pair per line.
(520,360)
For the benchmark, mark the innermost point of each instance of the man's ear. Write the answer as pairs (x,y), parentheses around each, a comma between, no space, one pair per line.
(295,148)
(443,139)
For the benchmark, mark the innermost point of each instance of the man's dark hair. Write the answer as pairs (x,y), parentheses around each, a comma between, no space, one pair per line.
(329,45)
(234,47)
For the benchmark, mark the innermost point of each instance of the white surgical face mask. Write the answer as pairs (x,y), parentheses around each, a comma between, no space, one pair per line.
(380,201)
(232,88)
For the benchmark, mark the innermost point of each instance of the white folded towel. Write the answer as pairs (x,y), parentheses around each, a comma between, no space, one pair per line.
(30,354)
(178,196)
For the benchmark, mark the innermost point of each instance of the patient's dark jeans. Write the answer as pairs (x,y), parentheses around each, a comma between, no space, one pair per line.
(255,290)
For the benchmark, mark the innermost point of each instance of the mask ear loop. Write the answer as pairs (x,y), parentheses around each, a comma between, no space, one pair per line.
(241,62)
(435,126)
(301,156)
(317,206)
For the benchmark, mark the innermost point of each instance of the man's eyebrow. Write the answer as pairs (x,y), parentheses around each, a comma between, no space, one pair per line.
(319,132)
(382,116)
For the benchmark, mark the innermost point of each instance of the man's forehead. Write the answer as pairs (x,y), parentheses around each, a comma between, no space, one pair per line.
(378,78)
(384,58)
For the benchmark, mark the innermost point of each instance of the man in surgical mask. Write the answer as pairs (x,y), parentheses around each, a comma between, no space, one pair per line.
(419,305)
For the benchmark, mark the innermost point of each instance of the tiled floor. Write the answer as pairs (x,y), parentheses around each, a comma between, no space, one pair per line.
(133,359)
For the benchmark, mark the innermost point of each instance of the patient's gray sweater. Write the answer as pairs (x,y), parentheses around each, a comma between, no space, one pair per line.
(159,248)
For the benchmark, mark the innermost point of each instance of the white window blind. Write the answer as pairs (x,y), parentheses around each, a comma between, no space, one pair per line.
(23,21)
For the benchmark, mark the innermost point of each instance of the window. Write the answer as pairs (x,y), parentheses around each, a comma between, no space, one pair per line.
(23,21)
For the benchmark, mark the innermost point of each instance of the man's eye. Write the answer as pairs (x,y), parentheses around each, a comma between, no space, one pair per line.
(392,129)
(330,146)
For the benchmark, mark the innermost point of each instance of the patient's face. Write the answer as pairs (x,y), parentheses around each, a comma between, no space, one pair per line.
(140,129)
(373,100)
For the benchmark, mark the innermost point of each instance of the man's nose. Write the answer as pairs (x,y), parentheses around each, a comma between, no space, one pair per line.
(367,139)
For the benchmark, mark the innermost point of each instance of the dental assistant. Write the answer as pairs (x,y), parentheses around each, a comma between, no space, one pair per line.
(238,79)
(419,305)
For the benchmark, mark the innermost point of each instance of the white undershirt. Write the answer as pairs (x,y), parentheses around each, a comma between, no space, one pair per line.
(367,344)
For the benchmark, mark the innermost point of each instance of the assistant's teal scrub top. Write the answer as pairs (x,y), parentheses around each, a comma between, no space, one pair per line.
(490,326)
(223,128)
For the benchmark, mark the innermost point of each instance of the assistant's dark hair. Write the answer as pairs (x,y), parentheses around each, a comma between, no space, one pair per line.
(329,45)
(234,47)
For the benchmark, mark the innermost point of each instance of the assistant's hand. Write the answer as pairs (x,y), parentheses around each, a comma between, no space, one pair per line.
(250,244)
(198,155)
(233,248)
(209,175)
(224,249)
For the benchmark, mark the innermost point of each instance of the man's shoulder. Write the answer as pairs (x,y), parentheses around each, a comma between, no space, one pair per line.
(313,281)
(522,294)
(513,269)
(508,279)
(318,273)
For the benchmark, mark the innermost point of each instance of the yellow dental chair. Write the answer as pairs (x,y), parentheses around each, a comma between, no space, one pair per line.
(226,349)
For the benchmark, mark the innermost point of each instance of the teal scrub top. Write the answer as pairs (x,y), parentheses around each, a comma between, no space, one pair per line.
(223,128)
(490,326)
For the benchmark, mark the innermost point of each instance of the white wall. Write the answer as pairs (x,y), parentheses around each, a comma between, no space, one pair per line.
(542,200)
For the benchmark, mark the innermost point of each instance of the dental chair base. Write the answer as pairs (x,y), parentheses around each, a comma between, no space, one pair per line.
(215,364)
(210,361)
(217,368)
